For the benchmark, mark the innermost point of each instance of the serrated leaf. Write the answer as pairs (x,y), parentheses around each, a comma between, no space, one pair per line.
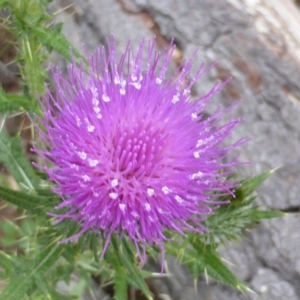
(32,203)
(188,256)
(258,215)
(42,175)
(228,222)
(24,281)
(94,246)
(120,282)
(17,288)
(33,69)
(69,255)
(214,266)
(11,232)
(46,192)
(54,39)
(134,273)
(12,155)
(14,102)
(6,262)
(41,283)
(248,186)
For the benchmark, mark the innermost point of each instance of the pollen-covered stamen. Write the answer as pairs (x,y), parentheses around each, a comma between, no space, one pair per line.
(82,155)
(122,89)
(75,167)
(197,175)
(178,199)
(147,207)
(94,90)
(105,98)
(150,192)
(196,154)
(86,178)
(194,115)
(78,121)
(205,141)
(122,207)
(95,102)
(117,79)
(186,92)
(114,182)
(96,109)
(137,85)
(93,162)
(158,81)
(90,127)
(113,195)
(166,190)
(175,98)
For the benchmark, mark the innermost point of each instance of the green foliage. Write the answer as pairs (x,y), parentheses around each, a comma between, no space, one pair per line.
(52,38)
(12,155)
(124,263)
(229,221)
(120,280)
(13,102)
(7,263)
(202,258)
(29,274)
(213,265)
(30,24)
(30,202)
(26,14)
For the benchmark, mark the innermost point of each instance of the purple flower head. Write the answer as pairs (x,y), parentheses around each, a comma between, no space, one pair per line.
(133,154)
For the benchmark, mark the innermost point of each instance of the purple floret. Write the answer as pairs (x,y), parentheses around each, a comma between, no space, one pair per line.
(132,153)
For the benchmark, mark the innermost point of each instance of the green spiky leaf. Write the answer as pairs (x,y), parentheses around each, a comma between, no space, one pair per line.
(120,281)
(126,260)
(29,202)
(213,264)
(248,186)
(23,280)
(229,221)
(13,102)
(52,38)
(12,155)
(6,262)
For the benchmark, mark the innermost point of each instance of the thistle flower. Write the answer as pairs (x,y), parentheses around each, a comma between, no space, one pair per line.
(133,154)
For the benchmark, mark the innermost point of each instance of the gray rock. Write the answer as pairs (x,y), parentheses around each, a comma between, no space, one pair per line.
(280,251)
(268,285)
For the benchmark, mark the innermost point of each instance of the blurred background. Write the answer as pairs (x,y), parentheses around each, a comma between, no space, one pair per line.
(257,43)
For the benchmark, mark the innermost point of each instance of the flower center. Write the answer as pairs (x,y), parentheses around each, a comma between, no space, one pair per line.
(138,151)
(137,156)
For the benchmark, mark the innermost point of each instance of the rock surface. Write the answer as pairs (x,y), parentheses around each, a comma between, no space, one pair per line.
(258,44)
